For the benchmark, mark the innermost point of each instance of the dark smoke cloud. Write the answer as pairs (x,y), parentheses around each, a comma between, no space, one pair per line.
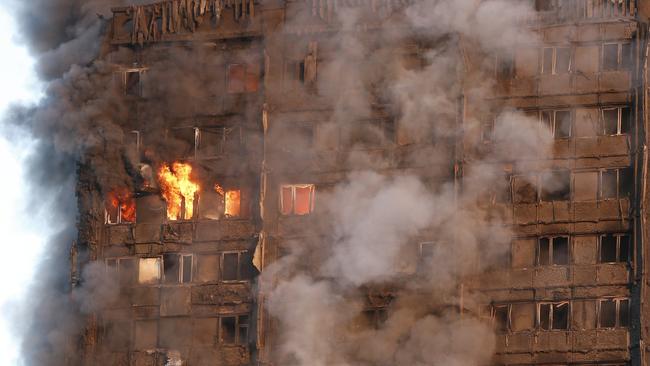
(75,119)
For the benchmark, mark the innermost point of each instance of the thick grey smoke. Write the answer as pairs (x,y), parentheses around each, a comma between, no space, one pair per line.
(369,221)
(375,220)
(77,118)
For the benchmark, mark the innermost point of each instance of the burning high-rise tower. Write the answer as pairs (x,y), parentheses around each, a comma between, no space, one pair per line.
(350,182)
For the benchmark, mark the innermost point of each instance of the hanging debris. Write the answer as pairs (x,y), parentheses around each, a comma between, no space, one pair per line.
(151,21)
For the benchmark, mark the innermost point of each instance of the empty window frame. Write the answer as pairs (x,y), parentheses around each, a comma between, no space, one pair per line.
(556,60)
(132,82)
(243,78)
(236,266)
(375,318)
(555,185)
(500,316)
(222,202)
(125,269)
(426,252)
(218,141)
(177,268)
(615,183)
(149,271)
(558,122)
(616,56)
(546,5)
(206,142)
(505,66)
(297,199)
(234,329)
(615,121)
(615,248)
(553,250)
(613,313)
(553,315)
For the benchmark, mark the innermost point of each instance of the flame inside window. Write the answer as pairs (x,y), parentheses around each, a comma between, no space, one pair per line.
(120,207)
(297,199)
(232,201)
(178,190)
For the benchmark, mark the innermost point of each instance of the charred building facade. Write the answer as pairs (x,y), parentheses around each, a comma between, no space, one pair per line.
(368,182)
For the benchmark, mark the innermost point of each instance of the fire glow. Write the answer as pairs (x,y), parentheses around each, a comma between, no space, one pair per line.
(232,201)
(121,206)
(178,190)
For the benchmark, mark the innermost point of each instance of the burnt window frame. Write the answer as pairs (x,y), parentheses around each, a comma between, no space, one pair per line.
(141,71)
(551,320)
(553,122)
(618,315)
(133,281)
(247,71)
(119,219)
(551,249)
(508,320)
(504,66)
(378,318)
(238,328)
(554,60)
(620,189)
(619,120)
(540,186)
(619,259)
(241,255)
(199,130)
(620,60)
(180,280)
(293,186)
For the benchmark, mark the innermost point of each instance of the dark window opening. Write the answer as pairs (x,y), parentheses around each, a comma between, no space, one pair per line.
(553,251)
(553,316)
(505,64)
(234,329)
(501,316)
(171,268)
(616,183)
(236,266)
(615,248)
(545,5)
(614,313)
(132,83)
(556,186)
(616,56)
(375,318)
(616,121)
(558,123)
(556,60)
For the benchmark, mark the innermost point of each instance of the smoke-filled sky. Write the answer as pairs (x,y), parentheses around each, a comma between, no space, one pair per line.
(23,238)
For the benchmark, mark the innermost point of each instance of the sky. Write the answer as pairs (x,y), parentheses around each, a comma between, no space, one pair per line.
(24,236)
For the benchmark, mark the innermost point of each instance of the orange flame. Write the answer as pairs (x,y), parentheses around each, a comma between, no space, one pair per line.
(121,198)
(178,190)
(232,200)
